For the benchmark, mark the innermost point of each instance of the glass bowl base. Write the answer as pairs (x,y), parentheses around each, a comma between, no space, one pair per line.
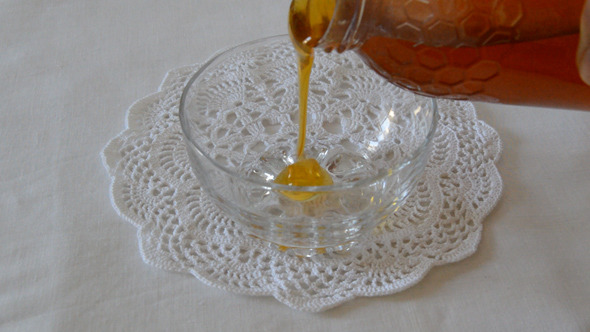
(340,249)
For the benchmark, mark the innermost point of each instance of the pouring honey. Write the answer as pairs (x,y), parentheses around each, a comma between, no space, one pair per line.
(308,21)
(520,52)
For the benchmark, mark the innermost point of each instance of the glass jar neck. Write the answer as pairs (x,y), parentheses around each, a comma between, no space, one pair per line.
(345,30)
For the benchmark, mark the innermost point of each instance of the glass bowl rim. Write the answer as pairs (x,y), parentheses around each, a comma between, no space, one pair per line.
(282,187)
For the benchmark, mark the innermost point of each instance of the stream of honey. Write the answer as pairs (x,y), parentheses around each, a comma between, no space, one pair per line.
(308,20)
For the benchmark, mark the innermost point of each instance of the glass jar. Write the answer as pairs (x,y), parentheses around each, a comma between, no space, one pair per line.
(507,51)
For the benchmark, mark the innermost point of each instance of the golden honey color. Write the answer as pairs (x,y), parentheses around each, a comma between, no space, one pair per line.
(308,20)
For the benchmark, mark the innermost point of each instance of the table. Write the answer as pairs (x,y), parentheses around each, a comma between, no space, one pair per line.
(68,262)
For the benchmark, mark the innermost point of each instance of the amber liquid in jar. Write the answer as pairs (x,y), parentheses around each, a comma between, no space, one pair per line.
(498,73)
(520,52)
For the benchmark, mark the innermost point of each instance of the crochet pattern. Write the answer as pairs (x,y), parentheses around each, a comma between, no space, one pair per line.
(180,229)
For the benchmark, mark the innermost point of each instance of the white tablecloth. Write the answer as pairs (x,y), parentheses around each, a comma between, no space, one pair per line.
(70,69)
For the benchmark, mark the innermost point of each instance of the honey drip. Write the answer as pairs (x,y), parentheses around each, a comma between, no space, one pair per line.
(308,20)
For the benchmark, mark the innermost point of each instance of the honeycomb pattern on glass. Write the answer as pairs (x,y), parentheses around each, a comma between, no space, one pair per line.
(451,71)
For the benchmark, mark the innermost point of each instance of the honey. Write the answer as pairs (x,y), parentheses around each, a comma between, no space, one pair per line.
(308,20)
(304,172)
(513,52)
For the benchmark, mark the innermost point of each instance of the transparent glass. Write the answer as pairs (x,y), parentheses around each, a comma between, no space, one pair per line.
(240,123)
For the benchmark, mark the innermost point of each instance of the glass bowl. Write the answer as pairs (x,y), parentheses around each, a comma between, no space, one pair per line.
(239,117)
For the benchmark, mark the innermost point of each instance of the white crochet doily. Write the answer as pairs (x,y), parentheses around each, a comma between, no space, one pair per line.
(180,229)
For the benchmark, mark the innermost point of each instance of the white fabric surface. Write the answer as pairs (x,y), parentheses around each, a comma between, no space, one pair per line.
(70,69)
